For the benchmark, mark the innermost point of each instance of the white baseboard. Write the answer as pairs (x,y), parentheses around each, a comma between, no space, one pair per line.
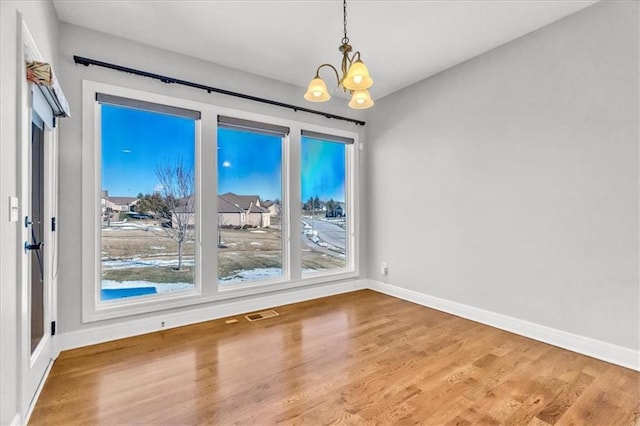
(608,352)
(106,333)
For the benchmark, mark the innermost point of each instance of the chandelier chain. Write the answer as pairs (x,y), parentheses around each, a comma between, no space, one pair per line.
(345,40)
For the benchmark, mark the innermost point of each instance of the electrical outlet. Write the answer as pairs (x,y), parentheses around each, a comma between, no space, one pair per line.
(384,269)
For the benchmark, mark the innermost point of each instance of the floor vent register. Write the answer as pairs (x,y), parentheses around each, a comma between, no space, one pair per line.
(257,316)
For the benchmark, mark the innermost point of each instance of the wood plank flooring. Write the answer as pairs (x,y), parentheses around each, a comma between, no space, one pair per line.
(358,358)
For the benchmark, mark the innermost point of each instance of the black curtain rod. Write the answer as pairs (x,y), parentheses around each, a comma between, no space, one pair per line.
(79,60)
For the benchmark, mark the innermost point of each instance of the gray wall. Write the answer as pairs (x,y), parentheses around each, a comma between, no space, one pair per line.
(82,42)
(510,182)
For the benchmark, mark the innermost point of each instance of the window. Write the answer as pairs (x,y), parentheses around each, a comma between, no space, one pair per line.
(147,199)
(324,208)
(186,203)
(250,244)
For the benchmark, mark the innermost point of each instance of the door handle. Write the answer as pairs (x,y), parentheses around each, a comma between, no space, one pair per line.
(28,246)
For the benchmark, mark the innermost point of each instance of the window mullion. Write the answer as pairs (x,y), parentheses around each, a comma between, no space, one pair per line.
(295,217)
(207,160)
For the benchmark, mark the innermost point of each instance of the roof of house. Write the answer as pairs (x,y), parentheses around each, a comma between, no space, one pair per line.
(240,203)
(121,200)
(227,203)
(226,206)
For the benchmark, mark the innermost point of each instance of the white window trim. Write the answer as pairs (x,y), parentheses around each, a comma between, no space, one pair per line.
(205,291)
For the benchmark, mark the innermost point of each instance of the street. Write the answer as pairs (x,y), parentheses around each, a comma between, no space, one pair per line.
(330,232)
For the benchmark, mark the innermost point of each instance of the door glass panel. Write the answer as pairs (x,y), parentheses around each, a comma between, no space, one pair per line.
(36,230)
(148,203)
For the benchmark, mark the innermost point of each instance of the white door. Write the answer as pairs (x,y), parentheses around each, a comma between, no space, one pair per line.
(40,245)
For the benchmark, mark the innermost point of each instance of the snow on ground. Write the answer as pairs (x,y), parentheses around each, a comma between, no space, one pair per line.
(252,274)
(142,263)
(239,276)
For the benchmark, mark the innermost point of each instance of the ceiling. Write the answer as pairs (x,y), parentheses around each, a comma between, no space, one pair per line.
(401,42)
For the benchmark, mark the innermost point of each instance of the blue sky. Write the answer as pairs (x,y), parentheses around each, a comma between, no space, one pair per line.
(134,142)
(323,169)
(249,164)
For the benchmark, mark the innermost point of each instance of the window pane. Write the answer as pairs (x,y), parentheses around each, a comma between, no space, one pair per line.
(324,207)
(250,246)
(148,202)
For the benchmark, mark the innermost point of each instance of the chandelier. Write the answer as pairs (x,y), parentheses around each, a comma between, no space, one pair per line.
(355,76)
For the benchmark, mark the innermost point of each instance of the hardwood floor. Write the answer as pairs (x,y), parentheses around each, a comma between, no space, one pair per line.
(358,358)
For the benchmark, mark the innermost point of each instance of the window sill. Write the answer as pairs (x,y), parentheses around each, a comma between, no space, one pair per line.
(192,298)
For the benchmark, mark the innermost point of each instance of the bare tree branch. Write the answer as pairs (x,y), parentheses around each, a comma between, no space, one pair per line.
(178,193)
